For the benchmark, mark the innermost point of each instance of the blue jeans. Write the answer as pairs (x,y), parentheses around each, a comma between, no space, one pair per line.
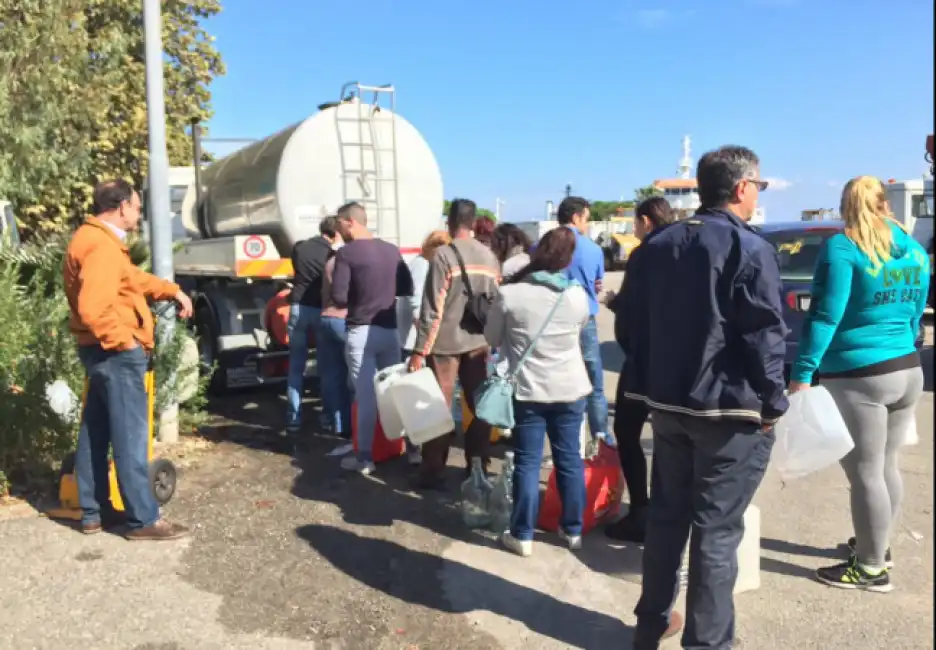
(370,348)
(115,414)
(331,338)
(562,422)
(704,476)
(597,403)
(302,319)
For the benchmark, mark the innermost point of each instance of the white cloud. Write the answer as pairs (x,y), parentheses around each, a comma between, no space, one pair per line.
(653,17)
(779,184)
(835,184)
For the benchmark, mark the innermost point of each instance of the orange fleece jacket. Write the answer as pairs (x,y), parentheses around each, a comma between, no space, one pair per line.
(107,292)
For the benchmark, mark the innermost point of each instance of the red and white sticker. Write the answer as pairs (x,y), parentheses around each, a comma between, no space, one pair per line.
(254,247)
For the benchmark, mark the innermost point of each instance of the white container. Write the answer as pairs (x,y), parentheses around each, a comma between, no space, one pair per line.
(387,411)
(811,435)
(748,555)
(421,406)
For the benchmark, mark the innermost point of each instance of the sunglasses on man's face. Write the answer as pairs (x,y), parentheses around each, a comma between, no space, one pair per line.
(759,184)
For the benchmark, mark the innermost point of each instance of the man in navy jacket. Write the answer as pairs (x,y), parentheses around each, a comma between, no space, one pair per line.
(704,339)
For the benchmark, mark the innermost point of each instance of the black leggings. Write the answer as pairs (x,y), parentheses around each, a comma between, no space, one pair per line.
(629,419)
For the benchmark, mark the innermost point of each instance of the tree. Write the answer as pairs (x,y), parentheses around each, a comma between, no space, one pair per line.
(93,121)
(643,193)
(482,212)
(604,210)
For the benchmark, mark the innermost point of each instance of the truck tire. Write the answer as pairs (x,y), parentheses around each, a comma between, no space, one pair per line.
(206,331)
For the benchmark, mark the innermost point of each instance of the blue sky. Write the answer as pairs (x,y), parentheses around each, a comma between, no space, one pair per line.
(518,98)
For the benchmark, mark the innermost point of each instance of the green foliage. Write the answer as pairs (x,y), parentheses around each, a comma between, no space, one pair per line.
(643,193)
(73,98)
(37,349)
(482,212)
(604,210)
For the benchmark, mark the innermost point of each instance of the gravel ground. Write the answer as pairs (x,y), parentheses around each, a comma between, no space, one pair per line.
(288,553)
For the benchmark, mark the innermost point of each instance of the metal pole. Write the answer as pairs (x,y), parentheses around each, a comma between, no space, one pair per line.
(160,218)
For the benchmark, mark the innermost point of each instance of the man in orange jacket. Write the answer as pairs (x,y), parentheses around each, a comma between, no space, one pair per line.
(111,319)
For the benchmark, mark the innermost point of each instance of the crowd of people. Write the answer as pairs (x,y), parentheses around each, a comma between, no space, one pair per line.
(698,316)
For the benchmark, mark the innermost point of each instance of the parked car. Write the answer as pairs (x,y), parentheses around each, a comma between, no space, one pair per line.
(799,243)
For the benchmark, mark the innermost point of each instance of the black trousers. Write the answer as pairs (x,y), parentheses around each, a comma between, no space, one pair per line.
(629,419)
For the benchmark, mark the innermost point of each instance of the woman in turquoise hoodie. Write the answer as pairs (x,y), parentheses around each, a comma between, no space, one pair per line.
(869,293)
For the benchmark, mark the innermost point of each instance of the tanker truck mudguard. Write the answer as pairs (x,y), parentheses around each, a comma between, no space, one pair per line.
(243,214)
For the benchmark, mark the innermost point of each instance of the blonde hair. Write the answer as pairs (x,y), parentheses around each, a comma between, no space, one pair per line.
(433,241)
(867,218)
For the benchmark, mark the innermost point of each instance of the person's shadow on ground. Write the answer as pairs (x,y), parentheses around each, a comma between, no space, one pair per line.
(420,578)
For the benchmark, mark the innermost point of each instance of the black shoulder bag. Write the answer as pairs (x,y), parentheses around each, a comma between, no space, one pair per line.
(476,310)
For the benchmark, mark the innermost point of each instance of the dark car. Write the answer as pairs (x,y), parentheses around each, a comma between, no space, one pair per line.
(799,243)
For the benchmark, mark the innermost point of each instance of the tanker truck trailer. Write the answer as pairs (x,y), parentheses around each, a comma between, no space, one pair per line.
(243,214)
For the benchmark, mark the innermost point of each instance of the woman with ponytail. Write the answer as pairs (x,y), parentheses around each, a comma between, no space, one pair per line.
(868,296)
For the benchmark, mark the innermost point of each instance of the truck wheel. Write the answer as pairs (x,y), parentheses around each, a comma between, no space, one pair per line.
(208,349)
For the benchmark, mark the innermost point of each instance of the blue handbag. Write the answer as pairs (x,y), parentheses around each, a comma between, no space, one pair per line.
(494,398)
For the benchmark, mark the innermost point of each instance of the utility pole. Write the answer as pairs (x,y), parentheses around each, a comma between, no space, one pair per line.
(497,209)
(158,182)
(568,190)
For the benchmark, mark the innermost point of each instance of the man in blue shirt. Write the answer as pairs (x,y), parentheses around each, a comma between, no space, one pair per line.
(587,268)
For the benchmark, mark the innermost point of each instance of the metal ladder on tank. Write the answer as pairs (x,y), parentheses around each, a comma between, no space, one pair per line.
(376,189)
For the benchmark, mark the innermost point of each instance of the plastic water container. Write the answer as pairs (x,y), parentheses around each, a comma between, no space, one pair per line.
(811,435)
(387,411)
(421,406)
(748,555)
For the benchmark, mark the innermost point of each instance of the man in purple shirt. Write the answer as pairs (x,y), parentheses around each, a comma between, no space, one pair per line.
(369,275)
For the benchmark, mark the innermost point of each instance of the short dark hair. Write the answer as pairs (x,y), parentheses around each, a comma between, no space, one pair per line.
(553,253)
(462,214)
(657,210)
(720,171)
(346,212)
(570,206)
(329,226)
(505,238)
(109,195)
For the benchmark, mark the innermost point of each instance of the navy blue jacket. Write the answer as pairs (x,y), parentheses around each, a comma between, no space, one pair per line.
(701,321)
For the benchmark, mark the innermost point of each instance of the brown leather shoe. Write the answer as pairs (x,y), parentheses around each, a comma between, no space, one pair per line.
(162,530)
(91,529)
(675,626)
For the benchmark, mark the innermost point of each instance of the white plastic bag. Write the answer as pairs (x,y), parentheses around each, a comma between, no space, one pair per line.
(811,435)
(62,400)
(911,435)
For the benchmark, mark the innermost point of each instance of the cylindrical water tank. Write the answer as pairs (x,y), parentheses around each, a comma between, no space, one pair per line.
(284,185)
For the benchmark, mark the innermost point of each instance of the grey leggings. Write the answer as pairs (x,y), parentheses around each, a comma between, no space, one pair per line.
(877,410)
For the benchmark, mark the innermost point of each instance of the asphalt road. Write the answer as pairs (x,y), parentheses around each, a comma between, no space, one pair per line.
(288,553)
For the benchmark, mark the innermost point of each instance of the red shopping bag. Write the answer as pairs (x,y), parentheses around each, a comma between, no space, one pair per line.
(383,449)
(604,488)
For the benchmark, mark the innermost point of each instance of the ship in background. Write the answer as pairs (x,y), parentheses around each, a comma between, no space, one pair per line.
(682,192)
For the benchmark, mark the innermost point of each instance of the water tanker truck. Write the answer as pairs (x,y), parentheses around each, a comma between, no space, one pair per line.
(243,214)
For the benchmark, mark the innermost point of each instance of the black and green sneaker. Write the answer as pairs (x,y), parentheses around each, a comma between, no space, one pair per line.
(851,575)
(888,560)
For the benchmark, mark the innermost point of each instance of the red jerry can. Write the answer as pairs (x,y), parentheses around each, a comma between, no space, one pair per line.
(383,449)
(604,488)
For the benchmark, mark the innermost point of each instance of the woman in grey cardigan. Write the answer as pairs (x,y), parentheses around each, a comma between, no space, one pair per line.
(551,384)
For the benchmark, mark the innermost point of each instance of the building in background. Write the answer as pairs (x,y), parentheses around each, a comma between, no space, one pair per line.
(682,192)
(822,214)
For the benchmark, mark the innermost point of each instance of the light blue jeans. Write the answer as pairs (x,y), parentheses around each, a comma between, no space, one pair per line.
(370,349)
(331,340)
(596,404)
(302,320)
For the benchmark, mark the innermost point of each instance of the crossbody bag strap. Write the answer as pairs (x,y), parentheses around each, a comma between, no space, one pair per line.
(533,341)
(465,279)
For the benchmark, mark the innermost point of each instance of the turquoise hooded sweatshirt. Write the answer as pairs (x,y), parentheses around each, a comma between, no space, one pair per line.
(860,314)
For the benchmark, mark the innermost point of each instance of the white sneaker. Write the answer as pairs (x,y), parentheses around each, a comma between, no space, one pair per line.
(574,541)
(414,457)
(352,464)
(523,548)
